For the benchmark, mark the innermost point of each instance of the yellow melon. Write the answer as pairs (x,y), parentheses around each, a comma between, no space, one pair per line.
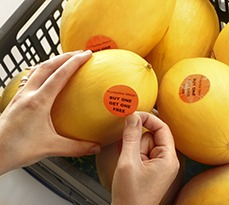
(11,89)
(108,87)
(221,46)
(207,188)
(106,162)
(193,100)
(192,32)
(131,25)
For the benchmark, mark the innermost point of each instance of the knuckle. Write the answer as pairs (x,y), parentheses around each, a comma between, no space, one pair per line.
(165,125)
(68,54)
(174,164)
(33,102)
(42,65)
(124,166)
(60,74)
(129,137)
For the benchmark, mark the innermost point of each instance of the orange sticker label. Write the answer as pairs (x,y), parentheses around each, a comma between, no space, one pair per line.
(121,100)
(194,88)
(99,42)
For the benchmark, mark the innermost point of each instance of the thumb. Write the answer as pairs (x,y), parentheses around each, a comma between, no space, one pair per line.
(131,138)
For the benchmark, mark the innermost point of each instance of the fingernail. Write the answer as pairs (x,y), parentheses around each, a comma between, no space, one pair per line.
(94,150)
(84,53)
(88,51)
(132,120)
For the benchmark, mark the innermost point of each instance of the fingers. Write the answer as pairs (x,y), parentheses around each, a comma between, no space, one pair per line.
(58,66)
(147,144)
(54,84)
(41,72)
(160,130)
(49,78)
(131,138)
(157,139)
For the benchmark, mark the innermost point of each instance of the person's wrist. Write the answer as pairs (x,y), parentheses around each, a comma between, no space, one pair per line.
(5,150)
(4,164)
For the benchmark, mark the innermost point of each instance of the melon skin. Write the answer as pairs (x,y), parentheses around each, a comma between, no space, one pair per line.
(192,32)
(79,110)
(129,25)
(106,163)
(11,89)
(221,46)
(200,127)
(209,187)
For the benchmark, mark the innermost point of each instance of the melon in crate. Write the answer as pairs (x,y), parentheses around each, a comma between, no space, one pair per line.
(209,187)
(11,89)
(193,100)
(98,25)
(221,46)
(192,32)
(112,84)
(94,103)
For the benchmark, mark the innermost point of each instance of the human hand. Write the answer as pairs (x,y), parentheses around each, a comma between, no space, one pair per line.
(147,164)
(27,134)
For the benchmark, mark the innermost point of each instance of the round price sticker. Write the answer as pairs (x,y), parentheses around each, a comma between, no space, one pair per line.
(99,42)
(121,100)
(194,88)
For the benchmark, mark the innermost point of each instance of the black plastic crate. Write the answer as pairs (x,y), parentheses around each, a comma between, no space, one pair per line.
(26,40)
(222,9)
(30,36)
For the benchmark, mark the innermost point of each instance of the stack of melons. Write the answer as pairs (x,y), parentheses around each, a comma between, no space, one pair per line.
(161,53)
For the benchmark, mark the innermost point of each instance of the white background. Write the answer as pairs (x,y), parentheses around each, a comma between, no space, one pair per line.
(7,8)
(17,187)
